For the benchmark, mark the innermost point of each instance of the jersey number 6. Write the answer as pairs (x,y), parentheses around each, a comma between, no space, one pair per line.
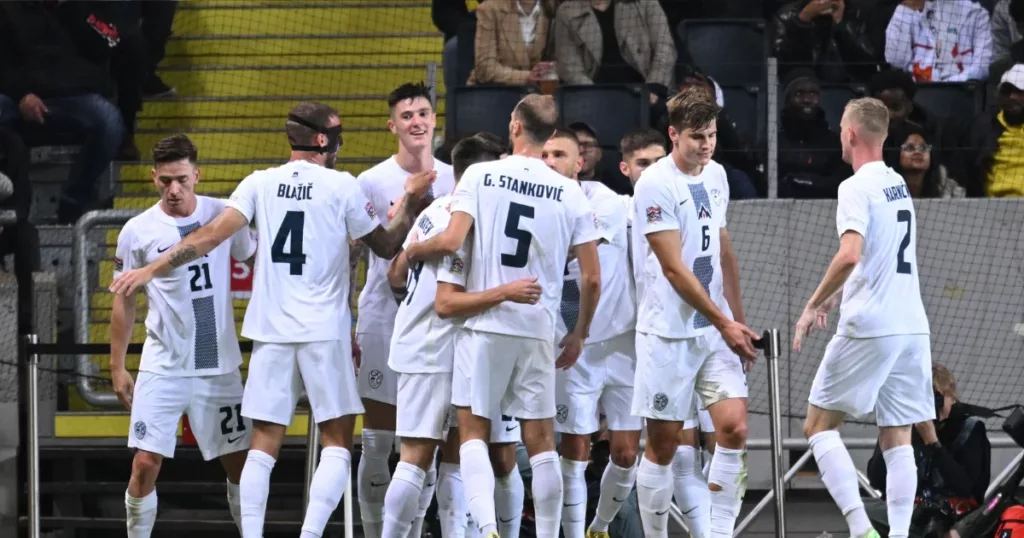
(513,231)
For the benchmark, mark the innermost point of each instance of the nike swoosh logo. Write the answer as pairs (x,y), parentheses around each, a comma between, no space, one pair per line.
(430,485)
(661,513)
(159,250)
(373,485)
(230,440)
(510,428)
(509,520)
(686,513)
(684,201)
(568,505)
(616,499)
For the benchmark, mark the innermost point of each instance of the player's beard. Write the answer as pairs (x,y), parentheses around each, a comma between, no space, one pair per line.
(330,160)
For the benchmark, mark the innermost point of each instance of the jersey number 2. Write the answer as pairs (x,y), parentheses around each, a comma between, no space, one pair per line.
(291,226)
(903,267)
(513,231)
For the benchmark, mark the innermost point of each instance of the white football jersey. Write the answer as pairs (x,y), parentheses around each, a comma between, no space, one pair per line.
(668,199)
(616,311)
(190,325)
(383,185)
(882,297)
(526,218)
(422,342)
(306,215)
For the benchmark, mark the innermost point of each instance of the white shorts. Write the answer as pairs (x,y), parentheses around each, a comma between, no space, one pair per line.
(700,419)
(424,405)
(601,381)
(213,405)
(377,381)
(504,429)
(669,371)
(499,374)
(890,375)
(278,373)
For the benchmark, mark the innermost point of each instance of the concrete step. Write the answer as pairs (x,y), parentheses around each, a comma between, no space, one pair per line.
(273,144)
(299,18)
(328,49)
(285,79)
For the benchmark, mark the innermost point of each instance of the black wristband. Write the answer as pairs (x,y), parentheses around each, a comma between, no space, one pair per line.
(399,293)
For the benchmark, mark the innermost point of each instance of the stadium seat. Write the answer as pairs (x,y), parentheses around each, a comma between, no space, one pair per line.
(609,170)
(834,98)
(951,99)
(484,108)
(731,51)
(746,107)
(611,109)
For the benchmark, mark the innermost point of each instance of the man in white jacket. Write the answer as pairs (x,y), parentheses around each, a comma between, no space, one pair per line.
(940,40)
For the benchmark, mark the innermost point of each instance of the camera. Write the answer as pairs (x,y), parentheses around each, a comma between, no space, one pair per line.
(934,514)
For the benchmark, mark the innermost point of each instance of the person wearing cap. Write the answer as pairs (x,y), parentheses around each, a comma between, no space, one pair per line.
(989,160)
(810,157)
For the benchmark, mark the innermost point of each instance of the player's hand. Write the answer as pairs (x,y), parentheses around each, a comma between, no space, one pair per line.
(572,346)
(419,183)
(740,340)
(131,281)
(124,386)
(804,327)
(523,291)
(393,210)
(821,319)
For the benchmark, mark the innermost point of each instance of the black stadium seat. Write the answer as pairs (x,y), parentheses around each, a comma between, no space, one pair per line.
(951,99)
(834,98)
(611,109)
(746,107)
(484,108)
(731,51)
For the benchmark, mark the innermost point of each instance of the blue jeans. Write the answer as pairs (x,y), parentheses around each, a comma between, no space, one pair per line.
(90,120)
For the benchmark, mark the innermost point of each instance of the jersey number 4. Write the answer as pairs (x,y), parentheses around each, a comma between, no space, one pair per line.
(902,266)
(513,231)
(291,226)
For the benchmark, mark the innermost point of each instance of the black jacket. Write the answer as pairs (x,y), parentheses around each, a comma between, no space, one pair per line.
(55,50)
(837,52)
(973,154)
(449,15)
(810,160)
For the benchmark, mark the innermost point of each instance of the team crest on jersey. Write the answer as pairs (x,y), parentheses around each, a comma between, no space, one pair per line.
(653,214)
(140,430)
(370,210)
(716,197)
(597,222)
(376,378)
(660,401)
(561,413)
(458,266)
(118,264)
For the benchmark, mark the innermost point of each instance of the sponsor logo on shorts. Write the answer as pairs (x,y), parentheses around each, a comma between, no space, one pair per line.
(376,378)
(561,413)
(660,401)
(140,430)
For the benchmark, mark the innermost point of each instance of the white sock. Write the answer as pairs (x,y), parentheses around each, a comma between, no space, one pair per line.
(472,529)
(729,471)
(478,479)
(141,514)
(654,495)
(574,501)
(509,493)
(451,501)
(900,488)
(547,493)
(840,478)
(326,489)
(706,469)
(402,500)
(691,491)
(253,489)
(616,483)
(235,505)
(426,495)
(373,477)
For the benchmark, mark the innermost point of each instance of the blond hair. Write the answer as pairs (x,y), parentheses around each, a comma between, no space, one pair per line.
(870,115)
(943,380)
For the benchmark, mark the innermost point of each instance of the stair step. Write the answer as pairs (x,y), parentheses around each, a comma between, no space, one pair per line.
(242,81)
(366,143)
(167,487)
(295,18)
(314,50)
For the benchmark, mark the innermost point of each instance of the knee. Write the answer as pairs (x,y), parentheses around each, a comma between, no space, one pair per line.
(503,459)
(623,455)
(146,466)
(732,434)
(104,119)
(662,448)
(539,439)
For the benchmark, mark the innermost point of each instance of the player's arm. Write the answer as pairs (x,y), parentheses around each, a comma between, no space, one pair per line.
(398,276)
(122,321)
(590,285)
(851,246)
(453,301)
(445,243)
(385,242)
(731,278)
(667,246)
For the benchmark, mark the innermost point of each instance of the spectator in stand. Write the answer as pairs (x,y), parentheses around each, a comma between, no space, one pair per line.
(810,154)
(824,36)
(896,89)
(989,160)
(1007,21)
(940,41)
(512,42)
(616,42)
(593,169)
(54,82)
(914,158)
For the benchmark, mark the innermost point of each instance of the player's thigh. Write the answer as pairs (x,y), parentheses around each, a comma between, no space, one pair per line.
(377,381)
(329,378)
(424,405)
(483,370)
(666,369)
(505,430)
(215,414)
(577,391)
(157,406)
(273,385)
(618,356)
(530,393)
(906,396)
(721,376)
(850,375)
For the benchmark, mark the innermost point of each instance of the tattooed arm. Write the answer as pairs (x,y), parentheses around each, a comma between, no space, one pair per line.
(387,242)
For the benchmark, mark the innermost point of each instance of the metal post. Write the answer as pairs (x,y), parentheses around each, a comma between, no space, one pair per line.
(865,484)
(312,456)
(998,480)
(773,130)
(775,419)
(431,82)
(347,508)
(32,394)
(742,526)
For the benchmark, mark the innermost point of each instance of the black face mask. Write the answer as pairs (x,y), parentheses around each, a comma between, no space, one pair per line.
(333,134)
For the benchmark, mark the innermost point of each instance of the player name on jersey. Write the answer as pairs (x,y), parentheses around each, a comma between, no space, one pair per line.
(523,187)
(896,192)
(295,192)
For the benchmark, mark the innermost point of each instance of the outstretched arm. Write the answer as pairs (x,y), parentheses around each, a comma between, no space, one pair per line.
(850,247)
(387,242)
(398,276)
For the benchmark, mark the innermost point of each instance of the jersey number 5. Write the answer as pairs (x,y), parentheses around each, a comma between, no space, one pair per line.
(903,267)
(291,226)
(513,231)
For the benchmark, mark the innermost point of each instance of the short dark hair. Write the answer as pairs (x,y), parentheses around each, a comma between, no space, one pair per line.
(692,108)
(568,134)
(491,137)
(638,139)
(892,79)
(175,148)
(472,150)
(318,114)
(409,90)
(538,115)
(1016,10)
